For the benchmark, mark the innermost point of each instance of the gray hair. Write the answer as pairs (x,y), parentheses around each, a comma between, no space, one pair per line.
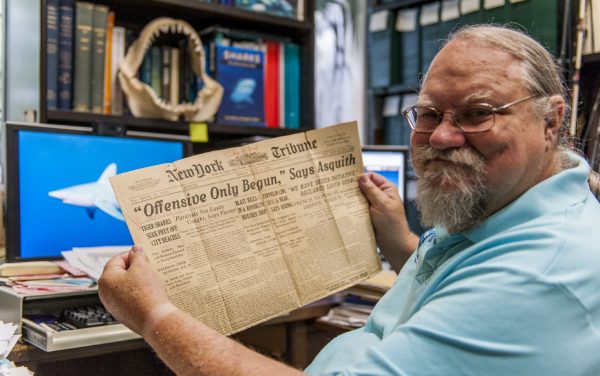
(541,72)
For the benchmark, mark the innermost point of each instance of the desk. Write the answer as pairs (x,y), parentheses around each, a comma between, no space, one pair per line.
(285,338)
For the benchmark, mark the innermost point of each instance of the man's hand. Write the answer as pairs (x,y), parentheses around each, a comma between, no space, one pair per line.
(133,292)
(393,236)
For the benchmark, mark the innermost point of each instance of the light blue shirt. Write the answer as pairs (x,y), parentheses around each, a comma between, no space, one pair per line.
(518,295)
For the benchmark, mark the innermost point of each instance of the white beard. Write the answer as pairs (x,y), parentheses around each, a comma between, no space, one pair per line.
(451,190)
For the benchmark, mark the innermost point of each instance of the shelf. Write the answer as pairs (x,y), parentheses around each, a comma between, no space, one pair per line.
(202,13)
(591,58)
(397,4)
(394,89)
(157,125)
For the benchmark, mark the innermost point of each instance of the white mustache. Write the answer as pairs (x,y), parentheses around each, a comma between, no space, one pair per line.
(464,157)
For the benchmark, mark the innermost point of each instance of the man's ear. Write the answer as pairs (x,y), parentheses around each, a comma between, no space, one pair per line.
(554,118)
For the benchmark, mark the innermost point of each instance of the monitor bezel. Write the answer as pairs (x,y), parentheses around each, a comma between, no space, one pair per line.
(397,149)
(12,194)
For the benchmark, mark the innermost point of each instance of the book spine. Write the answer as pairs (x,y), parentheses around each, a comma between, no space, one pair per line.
(65,55)
(166,73)
(175,73)
(51,54)
(272,85)
(83,56)
(118,53)
(282,85)
(110,24)
(100,17)
(156,70)
(292,86)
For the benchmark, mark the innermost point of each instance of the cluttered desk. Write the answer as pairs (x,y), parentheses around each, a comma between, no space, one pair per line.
(55,303)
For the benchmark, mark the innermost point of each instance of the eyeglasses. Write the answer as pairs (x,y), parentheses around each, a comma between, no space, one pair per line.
(471,118)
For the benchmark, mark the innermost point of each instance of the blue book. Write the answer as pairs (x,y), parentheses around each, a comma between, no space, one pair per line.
(51,54)
(240,71)
(65,54)
(292,85)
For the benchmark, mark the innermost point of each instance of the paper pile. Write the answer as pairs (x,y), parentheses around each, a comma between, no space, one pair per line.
(91,260)
(8,340)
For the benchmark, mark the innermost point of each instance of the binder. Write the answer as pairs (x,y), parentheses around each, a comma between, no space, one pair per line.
(408,34)
(383,57)
(539,18)
(429,20)
(470,12)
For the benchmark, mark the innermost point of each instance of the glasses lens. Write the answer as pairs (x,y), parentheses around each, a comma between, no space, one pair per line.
(424,119)
(477,118)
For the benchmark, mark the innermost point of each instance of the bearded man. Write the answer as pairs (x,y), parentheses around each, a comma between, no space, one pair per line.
(506,282)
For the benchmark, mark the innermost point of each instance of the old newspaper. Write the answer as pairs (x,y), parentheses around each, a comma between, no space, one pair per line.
(242,235)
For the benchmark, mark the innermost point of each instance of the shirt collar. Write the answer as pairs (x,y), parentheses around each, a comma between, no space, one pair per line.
(559,191)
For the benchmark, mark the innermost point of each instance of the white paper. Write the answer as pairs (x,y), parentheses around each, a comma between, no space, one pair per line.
(450,10)
(8,339)
(469,6)
(391,105)
(91,260)
(430,14)
(406,19)
(378,21)
(491,4)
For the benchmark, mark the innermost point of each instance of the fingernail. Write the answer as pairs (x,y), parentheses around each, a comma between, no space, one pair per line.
(136,249)
(363,179)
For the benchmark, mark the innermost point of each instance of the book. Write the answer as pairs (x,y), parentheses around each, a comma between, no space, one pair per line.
(65,54)
(110,24)
(117,55)
(100,19)
(156,70)
(175,76)
(84,13)
(271,92)
(166,73)
(52,54)
(240,71)
(292,85)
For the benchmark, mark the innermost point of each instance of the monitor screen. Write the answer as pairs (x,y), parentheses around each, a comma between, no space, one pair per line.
(389,161)
(58,192)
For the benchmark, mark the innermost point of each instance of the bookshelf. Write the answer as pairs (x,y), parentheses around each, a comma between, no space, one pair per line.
(135,14)
(412,48)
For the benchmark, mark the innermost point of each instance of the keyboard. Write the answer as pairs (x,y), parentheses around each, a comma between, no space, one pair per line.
(74,327)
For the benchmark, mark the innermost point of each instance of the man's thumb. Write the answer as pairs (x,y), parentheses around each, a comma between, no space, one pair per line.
(136,255)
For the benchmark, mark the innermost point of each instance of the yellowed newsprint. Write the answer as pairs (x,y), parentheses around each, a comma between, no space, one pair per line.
(246,234)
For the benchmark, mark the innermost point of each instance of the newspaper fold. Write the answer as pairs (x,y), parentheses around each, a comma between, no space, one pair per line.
(246,234)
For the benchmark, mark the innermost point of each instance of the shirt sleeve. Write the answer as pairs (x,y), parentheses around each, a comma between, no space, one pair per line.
(484,320)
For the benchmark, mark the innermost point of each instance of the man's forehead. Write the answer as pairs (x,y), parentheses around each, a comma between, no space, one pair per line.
(477,96)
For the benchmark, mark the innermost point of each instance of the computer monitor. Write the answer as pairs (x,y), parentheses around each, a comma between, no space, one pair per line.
(389,161)
(58,193)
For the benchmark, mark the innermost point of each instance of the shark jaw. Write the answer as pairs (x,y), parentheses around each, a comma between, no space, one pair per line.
(141,98)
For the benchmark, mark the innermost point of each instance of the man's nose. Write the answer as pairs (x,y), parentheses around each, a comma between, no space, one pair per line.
(447,135)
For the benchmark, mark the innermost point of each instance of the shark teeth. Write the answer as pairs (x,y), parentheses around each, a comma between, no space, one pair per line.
(174,27)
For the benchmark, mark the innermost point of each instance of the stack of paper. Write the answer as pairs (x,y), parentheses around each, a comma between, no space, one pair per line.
(8,340)
(359,301)
(91,260)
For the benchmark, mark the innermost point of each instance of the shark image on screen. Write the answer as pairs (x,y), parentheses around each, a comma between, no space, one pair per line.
(93,195)
(61,193)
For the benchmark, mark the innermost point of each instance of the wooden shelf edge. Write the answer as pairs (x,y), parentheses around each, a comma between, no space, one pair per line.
(158,125)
